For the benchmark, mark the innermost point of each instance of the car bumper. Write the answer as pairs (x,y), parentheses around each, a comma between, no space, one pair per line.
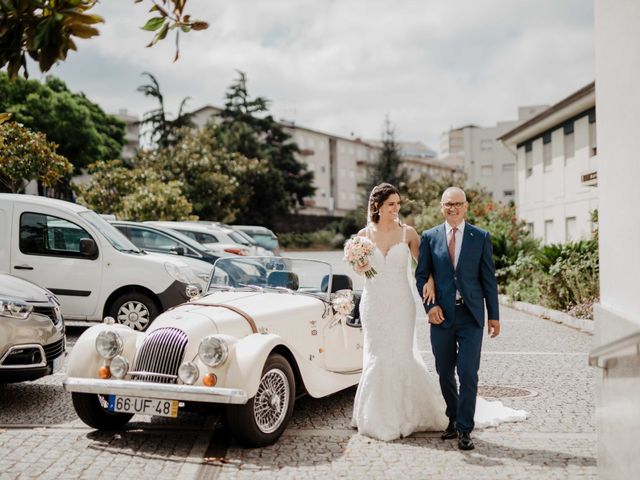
(132,388)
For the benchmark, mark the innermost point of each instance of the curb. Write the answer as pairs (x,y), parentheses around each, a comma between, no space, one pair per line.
(584,325)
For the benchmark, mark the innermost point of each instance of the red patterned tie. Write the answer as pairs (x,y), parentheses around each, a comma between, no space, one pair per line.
(452,246)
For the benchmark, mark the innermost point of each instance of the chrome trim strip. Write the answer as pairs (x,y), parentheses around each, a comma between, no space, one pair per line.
(161,391)
(31,365)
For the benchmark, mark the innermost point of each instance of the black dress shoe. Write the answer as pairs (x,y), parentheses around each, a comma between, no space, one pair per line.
(450,432)
(464,441)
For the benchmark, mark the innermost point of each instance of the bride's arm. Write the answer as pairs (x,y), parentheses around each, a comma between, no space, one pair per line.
(429,289)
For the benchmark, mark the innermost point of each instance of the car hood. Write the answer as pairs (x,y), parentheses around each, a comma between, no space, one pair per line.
(271,311)
(19,289)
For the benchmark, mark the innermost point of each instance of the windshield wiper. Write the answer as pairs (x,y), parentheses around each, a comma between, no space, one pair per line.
(254,288)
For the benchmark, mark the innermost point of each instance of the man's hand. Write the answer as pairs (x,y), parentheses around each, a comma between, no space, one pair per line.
(493,327)
(436,316)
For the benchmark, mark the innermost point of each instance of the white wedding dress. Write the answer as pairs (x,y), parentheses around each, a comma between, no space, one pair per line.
(397,395)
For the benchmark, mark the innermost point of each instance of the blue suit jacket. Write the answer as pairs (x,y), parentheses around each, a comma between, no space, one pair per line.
(474,276)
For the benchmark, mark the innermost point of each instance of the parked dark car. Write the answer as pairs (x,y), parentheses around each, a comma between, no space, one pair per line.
(32,342)
(152,238)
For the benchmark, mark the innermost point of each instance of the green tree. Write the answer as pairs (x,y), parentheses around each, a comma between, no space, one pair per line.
(27,155)
(133,193)
(387,167)
(46,30)
(247,128)
(164,132)
(218,183)
(83,132)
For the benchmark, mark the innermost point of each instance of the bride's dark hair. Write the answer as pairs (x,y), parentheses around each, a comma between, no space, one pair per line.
(377,197)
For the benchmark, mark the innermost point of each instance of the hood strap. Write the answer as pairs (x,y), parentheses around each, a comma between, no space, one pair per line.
(242,313)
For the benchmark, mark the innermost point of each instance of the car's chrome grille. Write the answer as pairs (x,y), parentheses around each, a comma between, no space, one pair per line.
(48,312)
(161,354)
(54,350)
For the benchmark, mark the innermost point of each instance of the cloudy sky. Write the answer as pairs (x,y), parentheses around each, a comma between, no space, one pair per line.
(340,66)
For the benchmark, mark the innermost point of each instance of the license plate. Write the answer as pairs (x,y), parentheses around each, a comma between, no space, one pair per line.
(143,406)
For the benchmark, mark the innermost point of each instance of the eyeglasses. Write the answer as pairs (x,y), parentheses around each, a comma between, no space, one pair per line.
(453,205)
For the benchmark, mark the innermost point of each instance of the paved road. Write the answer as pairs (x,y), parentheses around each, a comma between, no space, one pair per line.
(535,365)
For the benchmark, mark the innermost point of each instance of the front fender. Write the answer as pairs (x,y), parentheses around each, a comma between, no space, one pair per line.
(249,356)
(84,361)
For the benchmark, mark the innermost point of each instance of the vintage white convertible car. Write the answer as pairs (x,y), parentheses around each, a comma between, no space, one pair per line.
(268,330)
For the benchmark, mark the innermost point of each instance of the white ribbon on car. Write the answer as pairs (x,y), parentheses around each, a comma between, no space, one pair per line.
(342,303)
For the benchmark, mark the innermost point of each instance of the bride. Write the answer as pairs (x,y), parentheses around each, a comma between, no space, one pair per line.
(397,395)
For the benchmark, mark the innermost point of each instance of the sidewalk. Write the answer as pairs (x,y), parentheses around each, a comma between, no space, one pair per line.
(543,364)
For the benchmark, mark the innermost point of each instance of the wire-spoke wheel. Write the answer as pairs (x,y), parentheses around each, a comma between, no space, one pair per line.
(264,417)
(135,310)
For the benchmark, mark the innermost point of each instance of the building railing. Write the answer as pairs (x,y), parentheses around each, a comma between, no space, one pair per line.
(625,346)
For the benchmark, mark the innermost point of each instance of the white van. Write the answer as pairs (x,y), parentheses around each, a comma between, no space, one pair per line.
(92,268)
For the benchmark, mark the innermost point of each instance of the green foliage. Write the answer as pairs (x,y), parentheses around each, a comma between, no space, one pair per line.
(83,132)
(320,240)
(218,184)
(133,193)
(46,30)
(248,129)
(164,132)
(387,167)
(27,155)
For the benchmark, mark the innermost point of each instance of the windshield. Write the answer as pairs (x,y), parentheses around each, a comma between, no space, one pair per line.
(177,234)
(304,276)
(236,237)
(265,240)
(108,231)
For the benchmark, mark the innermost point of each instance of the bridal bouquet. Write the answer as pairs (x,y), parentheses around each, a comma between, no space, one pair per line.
(343,304)
(357,251)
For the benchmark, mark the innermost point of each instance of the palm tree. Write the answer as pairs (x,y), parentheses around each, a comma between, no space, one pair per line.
(164,132)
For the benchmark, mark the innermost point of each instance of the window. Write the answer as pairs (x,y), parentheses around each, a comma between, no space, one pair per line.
(528,162)
(570,229)
(200,237)
(546,152)
(508,193)
(508,168)
(530,228)
(51,236)
(486,144)
(149,240)
(593,140)
(569,142)
(486,170)
(323,169)
(548,231)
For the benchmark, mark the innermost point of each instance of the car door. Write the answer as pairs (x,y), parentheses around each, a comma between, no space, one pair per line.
(46,251)
(343,342)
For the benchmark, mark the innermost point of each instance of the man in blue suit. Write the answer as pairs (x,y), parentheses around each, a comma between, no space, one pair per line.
(459,256)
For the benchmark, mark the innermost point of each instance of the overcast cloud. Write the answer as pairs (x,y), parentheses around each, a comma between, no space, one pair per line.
(341,66)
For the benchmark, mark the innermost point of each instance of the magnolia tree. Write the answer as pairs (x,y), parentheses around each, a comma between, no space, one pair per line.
(26,156)
(46,30)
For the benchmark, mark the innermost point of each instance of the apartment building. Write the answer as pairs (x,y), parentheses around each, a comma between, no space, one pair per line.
(485,162)
(556,174)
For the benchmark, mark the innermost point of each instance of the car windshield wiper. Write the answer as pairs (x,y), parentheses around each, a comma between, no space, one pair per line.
(281,289)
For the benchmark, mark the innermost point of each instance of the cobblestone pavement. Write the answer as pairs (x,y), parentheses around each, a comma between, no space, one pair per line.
(543,362)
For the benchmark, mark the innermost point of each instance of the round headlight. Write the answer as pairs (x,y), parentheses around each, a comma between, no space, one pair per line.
(119,366)
(213,351)
(108,344)
(188,373)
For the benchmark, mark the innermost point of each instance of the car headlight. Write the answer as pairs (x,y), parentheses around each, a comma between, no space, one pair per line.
(14,308)
(213,351)
(119,366)
(188,373)
(108,344)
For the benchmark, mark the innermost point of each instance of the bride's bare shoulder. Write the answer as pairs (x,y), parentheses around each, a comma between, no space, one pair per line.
(411,232)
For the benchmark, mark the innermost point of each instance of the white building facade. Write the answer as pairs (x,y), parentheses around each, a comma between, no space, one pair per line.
(617,317)
(556,174)
(485,162)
